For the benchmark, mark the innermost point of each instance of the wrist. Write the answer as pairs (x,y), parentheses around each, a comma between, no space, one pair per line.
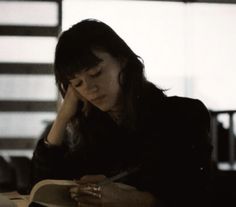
(56,134)
(63,117)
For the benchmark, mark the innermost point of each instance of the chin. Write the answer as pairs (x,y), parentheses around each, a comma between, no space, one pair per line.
(104,108)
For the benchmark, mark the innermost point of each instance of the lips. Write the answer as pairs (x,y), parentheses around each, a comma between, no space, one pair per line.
(97,98)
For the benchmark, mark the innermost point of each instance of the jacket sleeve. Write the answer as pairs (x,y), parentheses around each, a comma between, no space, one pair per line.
(47,161)
(191,172)
(179,167)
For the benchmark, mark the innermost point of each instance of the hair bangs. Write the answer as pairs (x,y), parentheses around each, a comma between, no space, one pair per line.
(70,63)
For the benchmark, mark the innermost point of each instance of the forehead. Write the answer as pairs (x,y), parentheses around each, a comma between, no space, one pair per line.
(105,58)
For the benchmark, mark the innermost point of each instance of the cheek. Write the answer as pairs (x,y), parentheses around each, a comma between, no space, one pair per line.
(112,77)
(115,82)
(114,88)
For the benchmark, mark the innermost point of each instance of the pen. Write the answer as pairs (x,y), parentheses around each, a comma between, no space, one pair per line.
(119,176)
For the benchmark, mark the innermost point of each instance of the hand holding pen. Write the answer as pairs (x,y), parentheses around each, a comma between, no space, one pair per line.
(95,190)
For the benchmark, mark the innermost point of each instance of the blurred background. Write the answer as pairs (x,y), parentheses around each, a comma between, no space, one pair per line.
(188,47)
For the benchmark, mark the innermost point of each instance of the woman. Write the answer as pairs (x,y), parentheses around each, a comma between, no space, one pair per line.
(112,119)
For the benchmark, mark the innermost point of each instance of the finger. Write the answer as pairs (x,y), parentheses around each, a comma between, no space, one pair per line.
(80,189)
(70,89)
(74,197)
(91,178)
(94,194)
(85,187)
(92,190)
(76,93)
(75,189)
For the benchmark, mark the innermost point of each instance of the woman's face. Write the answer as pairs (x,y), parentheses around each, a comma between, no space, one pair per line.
(100,84)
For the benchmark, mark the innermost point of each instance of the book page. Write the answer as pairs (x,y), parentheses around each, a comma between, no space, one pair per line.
(53,193)
(14,199)
(6,202)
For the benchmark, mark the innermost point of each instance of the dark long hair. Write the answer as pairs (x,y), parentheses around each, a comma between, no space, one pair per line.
(74,52)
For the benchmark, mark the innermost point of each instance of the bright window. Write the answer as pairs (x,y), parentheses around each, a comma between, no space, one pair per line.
(187,48)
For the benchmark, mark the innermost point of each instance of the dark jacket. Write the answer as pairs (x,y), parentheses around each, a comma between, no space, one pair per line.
(170,143)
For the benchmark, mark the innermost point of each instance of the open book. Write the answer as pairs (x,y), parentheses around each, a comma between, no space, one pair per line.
(13,199)
(53,193)
(6,202)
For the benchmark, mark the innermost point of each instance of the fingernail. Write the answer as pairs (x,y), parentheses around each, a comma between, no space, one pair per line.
(97,188)
(98,195)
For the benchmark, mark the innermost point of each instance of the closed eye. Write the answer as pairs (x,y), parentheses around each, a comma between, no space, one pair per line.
(93,72)
(96,74)
(78,84)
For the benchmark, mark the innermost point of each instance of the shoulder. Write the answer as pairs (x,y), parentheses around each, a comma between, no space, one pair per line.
(172,110)
(153,96)
(192,110)
(186,104)
(155,100)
